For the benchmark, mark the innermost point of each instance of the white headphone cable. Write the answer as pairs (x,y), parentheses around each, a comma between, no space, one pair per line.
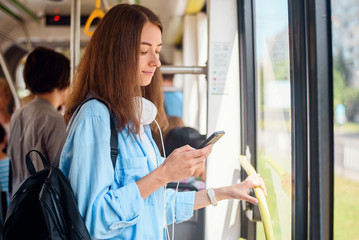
(173,211)
(165,187)
(163,146)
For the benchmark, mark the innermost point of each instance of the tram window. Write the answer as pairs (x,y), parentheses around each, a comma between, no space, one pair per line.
(346,118)
(273,114)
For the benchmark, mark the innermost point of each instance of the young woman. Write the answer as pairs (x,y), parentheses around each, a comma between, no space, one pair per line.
(129,202)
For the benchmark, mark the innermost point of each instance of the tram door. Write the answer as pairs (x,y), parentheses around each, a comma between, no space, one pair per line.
(269,69)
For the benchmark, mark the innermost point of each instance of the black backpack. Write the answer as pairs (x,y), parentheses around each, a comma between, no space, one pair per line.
(24,217)
(44,206)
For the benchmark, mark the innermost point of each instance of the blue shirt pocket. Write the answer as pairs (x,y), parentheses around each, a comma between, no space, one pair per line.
(131,170)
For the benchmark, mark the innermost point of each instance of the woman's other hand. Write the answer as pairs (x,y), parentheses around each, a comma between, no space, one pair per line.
(240,190)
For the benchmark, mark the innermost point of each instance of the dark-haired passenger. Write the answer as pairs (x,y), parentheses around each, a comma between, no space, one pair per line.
(179,137)
(38,125)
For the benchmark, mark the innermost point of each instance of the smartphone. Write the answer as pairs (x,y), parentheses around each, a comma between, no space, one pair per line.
(212,139)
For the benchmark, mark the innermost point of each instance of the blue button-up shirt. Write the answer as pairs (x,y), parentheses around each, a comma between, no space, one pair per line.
(109,200)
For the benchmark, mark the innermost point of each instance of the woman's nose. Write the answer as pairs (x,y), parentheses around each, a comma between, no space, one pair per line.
(155,60)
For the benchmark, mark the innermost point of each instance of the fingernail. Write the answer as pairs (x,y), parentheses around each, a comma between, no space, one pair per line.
(256,202)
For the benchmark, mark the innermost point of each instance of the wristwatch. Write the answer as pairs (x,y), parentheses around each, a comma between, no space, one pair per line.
(212,196)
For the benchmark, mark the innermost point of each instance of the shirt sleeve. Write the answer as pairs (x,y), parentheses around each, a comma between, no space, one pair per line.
(106,209)
(180,210)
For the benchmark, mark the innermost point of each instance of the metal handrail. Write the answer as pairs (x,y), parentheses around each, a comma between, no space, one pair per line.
(25,9)
(170,69)
(14,42)
(75,35)
(10,12)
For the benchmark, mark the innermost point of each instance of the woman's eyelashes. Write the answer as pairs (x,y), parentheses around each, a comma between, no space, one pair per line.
(146,51)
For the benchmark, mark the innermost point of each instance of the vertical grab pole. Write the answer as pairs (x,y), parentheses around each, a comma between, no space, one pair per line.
(75,35)
(9,80)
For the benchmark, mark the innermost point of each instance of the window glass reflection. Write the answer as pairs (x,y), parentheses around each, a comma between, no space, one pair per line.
(273,112)
(345,25)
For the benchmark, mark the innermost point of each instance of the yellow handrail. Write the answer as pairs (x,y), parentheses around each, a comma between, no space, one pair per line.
(96,13)
(194,6)
(262,203)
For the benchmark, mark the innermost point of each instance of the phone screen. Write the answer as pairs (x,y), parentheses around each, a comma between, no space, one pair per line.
(212,139)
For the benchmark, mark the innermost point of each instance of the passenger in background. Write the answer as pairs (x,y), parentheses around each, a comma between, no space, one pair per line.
(7,105)
(181,136)
(173,122)
(129,202)
(4,172)
(173,96)
(177,135)
(38,125)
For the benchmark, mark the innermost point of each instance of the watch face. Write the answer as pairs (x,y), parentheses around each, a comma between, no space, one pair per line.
(212,196)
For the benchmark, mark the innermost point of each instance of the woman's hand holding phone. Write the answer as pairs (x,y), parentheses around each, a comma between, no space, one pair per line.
(184,161)
(212,139)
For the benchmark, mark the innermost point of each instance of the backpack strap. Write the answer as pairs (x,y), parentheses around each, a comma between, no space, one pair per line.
(113,140)
(114,143)
(30,165)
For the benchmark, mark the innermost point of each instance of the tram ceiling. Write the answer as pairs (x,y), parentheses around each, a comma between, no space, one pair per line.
(16,15)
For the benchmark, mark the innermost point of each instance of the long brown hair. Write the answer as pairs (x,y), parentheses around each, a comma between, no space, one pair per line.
(154,93)
(109,67)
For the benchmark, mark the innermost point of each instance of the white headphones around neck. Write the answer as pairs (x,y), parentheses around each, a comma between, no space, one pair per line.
(148,111)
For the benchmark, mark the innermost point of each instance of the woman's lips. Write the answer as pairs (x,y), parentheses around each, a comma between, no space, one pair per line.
(148,73)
